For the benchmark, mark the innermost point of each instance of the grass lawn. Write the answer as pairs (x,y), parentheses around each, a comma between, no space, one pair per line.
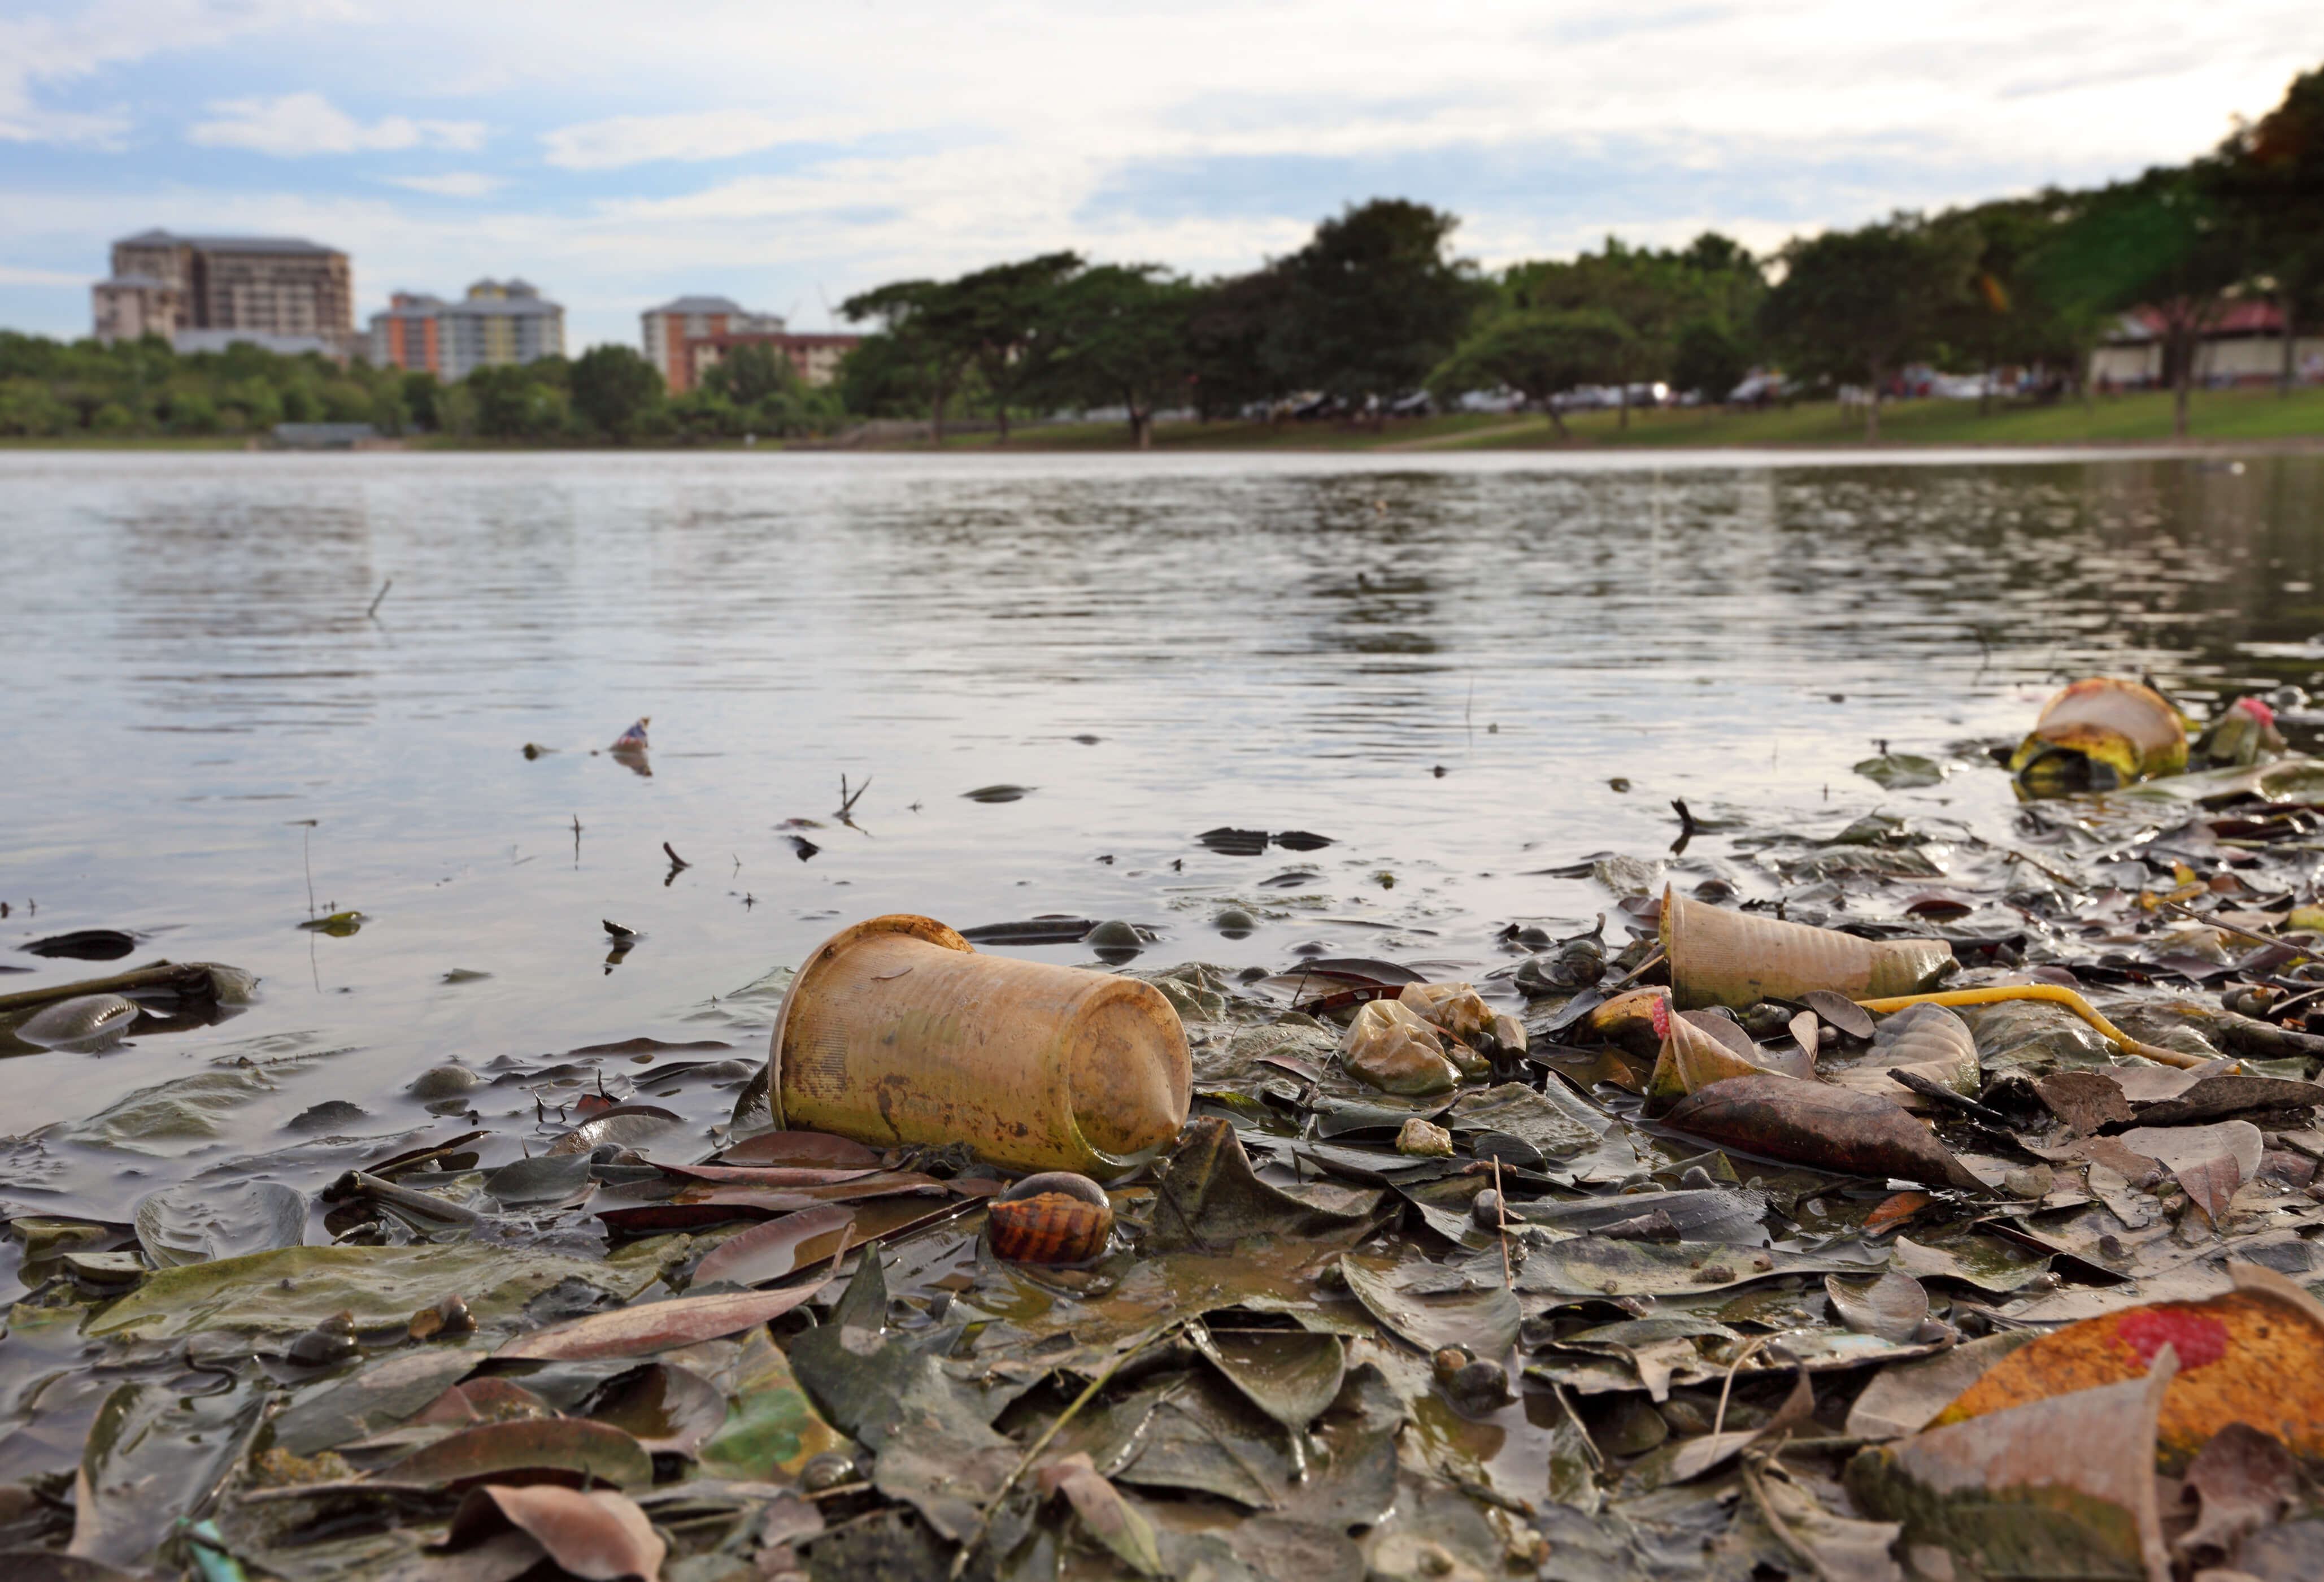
(128,443)
(2143,418)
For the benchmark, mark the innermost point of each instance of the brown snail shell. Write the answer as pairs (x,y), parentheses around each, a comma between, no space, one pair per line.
(1055,1217)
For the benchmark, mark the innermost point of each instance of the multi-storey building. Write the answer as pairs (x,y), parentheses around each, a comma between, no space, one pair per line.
(497,322)
(280,291)
(668,329)
(814,358)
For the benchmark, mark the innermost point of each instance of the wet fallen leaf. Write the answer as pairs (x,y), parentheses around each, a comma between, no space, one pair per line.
(765,1175)
(340,925)
(1905,1397)
(296,1288)
(2208,1163)
(1895,1209)
(383,1394)
(2243,1480)
(1902,771)
(1108,1517)
(663,1408)
(2254,1355)
(1826,1127)
(1693,1457)
(1840,1012)
(625,1125)
(997,793)
(2088,1101)
(1206,1195)
(599,1535)
(770,1430)
(196,1223)
(1289,1375)
(1996,1494)
(1707,1214)
(1484,1322)
(549,1178)
(84,945)
(1592,1266)
(1893,1307)
(558,1448)
(658,1326)
(150,1453)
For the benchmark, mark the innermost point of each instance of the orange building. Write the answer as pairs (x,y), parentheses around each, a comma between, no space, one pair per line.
(668,329)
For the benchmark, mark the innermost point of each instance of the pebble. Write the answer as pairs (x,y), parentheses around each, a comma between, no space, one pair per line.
(443,1082)
(1423,1140)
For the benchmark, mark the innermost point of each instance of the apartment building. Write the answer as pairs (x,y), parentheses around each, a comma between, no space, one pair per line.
(497,322)
(280,292)
(814,358)
(670,327)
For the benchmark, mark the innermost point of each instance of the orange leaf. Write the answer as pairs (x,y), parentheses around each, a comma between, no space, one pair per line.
(1894,1210)
(2254,1355)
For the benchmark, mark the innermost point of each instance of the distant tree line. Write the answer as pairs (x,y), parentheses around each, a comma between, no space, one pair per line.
(1375,308)
(609,393)
(1373,314)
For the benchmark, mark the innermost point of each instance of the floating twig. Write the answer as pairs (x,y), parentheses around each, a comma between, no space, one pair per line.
(847,799)
(1686,825)
(675,861)
(373,613)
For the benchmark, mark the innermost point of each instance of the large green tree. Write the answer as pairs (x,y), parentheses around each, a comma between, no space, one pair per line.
(923,348)
(1539,352)
(1006,318)
(2010,313)
(1704,294)
(1231,329)
(1373,302)
(1120,336)
(2270,176)
(615,390)
(1858,305)
(2163,245)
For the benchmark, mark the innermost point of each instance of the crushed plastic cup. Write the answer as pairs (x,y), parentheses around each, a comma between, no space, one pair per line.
(2100,734)
(897,1031)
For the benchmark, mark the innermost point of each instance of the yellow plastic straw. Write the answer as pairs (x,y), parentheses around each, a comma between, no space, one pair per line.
(2056,994)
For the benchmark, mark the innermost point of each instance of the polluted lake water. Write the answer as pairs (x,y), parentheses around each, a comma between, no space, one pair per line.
(1655,1030)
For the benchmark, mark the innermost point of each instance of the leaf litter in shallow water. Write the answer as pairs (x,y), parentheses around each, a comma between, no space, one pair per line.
(582,1450)
(384,1394)
(1289,1375)
(1894,1307)
(197,1223)
(658,1326)
(295,1287)
(2059,1487)
(1818,1126)
(597,1534)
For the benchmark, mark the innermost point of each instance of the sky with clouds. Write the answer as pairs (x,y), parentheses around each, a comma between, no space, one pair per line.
(618,153)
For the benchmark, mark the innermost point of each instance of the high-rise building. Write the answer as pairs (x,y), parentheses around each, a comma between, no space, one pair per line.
(203,291)
(498,321)
(669,326)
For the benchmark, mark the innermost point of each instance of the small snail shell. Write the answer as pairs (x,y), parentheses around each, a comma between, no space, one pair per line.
(1056,1217)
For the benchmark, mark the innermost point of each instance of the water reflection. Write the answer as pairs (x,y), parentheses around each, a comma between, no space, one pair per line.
(1463,671)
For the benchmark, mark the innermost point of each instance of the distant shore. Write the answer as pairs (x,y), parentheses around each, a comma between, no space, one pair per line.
(2249,417)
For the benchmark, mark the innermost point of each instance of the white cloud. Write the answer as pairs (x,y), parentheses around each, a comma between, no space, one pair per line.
(301,123)
(452,184)
(11,275)
(64,43)
(621,141)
